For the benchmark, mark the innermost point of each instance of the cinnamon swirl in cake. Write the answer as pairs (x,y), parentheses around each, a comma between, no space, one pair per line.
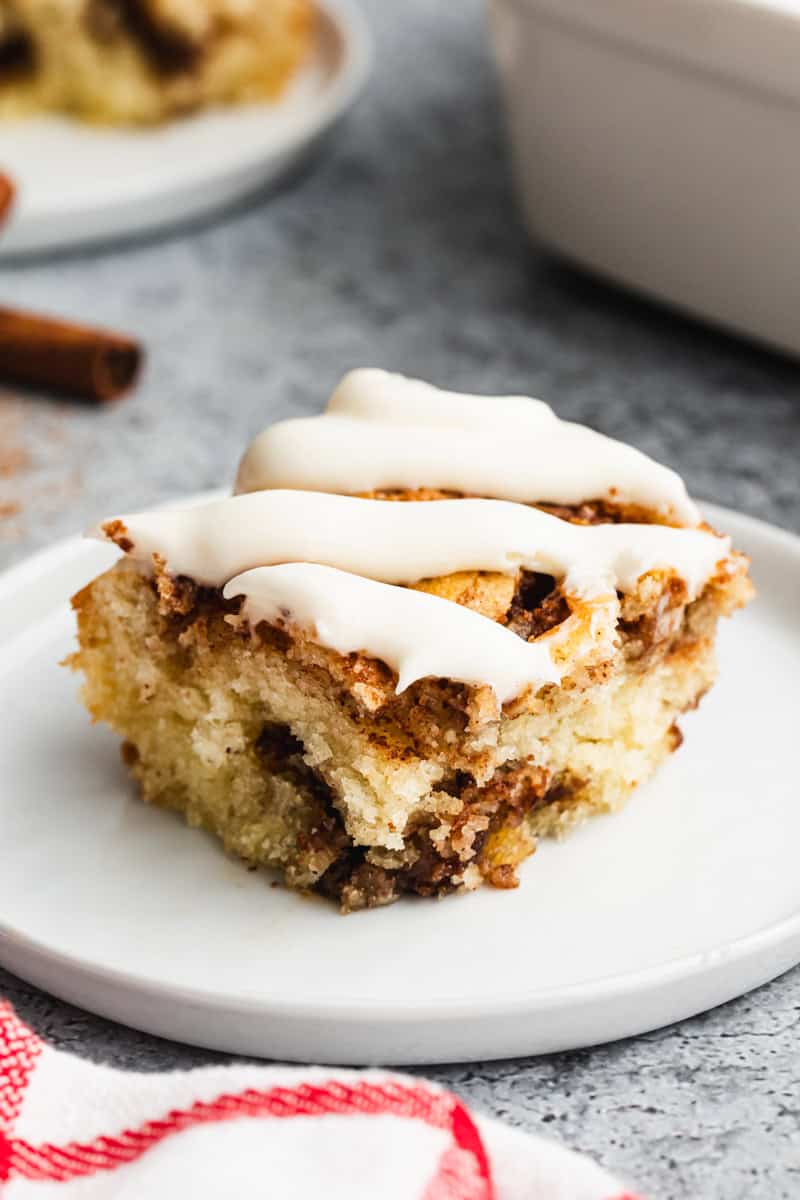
(380,698)
(143,61)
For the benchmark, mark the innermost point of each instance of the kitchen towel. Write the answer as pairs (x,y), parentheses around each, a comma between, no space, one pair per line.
(71,1129)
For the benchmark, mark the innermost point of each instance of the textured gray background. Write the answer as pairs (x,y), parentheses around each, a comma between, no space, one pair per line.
(402,248)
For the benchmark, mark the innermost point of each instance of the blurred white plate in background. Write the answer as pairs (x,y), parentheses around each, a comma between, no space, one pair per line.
(687,898)
(80,183)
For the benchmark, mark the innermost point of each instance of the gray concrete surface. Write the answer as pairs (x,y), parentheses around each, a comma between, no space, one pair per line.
(402,248)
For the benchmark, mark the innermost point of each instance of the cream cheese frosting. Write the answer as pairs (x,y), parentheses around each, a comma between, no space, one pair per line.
(300,554)
(416,634)
(414,540)
(384,431)
(374,395)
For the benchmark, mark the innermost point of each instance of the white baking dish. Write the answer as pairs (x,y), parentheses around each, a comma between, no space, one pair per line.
(658,142)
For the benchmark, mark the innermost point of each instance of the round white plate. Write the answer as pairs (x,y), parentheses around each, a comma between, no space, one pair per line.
(689,897)
(116,183)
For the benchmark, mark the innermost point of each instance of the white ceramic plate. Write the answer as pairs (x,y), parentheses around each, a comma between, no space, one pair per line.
(116,183)
(688,898)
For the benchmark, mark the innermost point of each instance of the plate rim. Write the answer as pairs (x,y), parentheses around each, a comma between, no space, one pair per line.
(36,958)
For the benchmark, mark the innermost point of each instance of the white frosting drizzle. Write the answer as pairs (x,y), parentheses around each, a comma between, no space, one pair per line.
(374,395)
(300,554)
(416,634)
(408,541)
(386,431)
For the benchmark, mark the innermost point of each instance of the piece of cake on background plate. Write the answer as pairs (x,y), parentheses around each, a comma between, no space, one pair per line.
(144,61)
(377,697)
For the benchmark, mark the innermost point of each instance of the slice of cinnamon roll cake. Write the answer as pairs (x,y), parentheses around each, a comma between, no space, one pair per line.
(377,697)
(143,61)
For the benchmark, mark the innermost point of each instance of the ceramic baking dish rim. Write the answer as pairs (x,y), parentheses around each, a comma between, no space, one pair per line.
(754,43)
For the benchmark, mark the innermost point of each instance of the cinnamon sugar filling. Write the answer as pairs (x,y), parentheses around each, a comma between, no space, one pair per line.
(487,833)
(17,57)
(167,50)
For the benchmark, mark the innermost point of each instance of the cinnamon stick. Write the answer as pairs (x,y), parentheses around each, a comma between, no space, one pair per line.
(7,193)
(58,356)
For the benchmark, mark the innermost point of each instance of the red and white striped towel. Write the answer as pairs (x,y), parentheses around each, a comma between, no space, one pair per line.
(73,1130)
